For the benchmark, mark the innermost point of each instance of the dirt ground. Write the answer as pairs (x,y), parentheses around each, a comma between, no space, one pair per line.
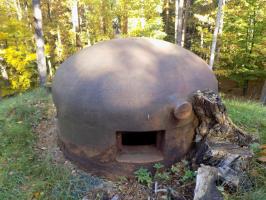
(47,140)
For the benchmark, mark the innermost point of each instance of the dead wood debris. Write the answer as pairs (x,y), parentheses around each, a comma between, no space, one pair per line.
(219,143)
(205,186)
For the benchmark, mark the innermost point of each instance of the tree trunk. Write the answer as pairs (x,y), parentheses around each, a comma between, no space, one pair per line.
(50,68)
(41,63)
(216,30)
(27,14)
(263,94)
(201,38)
(220,33)
(253,32)
(18,9)
(59,46)
(178,21)
(3,70)
(75,23)
(49,11)
(167,16)
(184,28)
(124,24)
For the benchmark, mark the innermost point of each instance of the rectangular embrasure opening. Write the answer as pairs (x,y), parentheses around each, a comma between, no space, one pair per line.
(140,147)
(139,138)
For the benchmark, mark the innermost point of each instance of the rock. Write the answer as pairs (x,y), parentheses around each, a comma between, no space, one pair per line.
(205,184)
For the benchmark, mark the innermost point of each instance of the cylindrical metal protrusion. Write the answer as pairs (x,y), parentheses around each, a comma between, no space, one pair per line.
(183,111)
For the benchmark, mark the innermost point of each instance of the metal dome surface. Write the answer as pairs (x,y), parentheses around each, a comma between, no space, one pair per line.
(128,84)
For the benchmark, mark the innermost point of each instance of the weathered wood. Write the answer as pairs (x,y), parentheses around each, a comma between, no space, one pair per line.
(205,184)
(214,120)
(219,142)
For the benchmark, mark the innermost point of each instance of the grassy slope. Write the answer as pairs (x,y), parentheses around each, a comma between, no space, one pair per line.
(24,176)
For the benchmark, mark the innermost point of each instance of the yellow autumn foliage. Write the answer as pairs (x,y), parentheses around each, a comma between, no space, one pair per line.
(21,67)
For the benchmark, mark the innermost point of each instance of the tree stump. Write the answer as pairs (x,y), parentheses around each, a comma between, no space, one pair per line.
(219,142)
(214,120)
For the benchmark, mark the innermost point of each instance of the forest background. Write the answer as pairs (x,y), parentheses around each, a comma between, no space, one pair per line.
(227,34)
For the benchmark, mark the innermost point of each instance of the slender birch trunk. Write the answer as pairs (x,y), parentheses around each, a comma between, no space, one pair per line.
(18,9)
(3,70)
(167,16)
(41,62)
(75,22)
(216,30)
(179,21)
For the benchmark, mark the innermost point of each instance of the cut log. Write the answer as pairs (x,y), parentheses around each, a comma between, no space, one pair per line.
(205,184)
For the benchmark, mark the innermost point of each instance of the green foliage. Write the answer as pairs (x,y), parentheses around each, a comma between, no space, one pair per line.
(143,176)
(175,169)
(161,174)
(188,176)
(255,147)
(158,166)
(243,41)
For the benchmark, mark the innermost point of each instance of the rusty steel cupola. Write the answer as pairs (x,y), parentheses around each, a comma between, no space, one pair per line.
(125,103)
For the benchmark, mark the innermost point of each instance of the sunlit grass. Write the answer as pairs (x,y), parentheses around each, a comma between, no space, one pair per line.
(23,175)
(251,116)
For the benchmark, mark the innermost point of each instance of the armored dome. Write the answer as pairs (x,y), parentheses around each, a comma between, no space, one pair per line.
(122,86)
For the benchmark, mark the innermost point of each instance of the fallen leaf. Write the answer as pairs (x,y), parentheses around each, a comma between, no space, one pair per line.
(36,195)
(263,153)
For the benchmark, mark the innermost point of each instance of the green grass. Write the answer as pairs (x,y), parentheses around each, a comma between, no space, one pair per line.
(251,117)
(23,175)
